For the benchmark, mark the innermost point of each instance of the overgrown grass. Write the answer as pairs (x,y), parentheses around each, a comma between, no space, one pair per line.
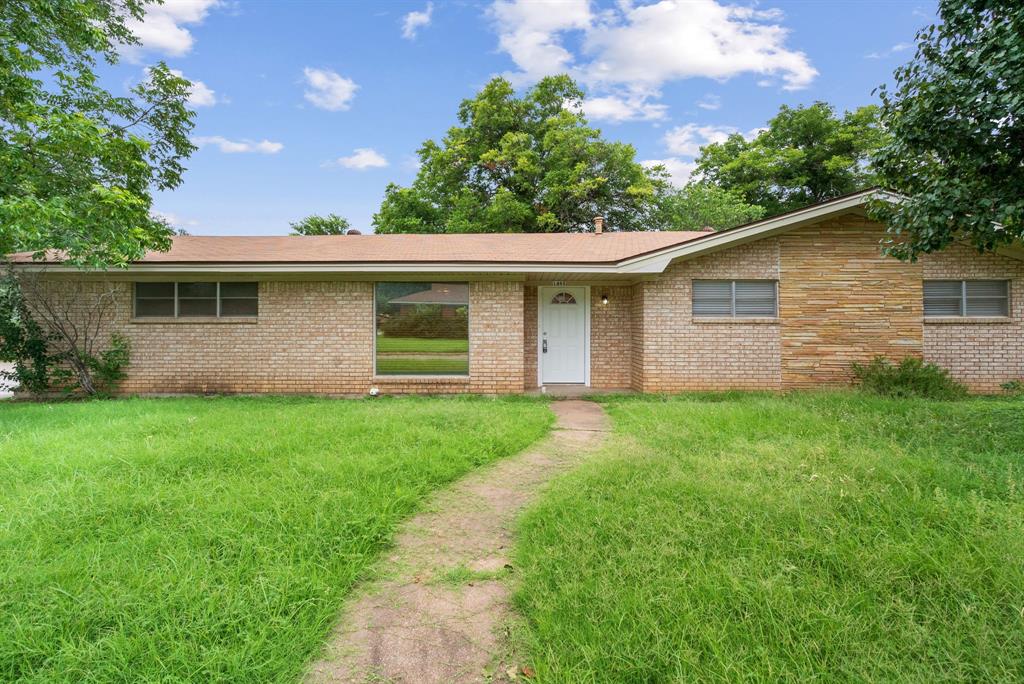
(832,537)
(421,344)
(212,539)
(402,365)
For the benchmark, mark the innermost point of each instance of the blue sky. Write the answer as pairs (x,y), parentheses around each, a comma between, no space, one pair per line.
(313,107)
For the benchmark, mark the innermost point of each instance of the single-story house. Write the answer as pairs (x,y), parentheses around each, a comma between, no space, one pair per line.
(785,303)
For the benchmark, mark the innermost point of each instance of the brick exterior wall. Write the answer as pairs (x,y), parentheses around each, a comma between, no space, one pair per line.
(495,337)
(611,337)
(530,337)
(309,338)
(680,352)
(981,353)
(841,301)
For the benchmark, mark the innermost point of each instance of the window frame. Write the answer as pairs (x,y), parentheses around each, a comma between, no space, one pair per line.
(732,298)
(177,301)
(416,376)
(963,299)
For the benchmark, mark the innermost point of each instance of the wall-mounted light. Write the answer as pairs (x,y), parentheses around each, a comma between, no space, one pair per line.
(604,298)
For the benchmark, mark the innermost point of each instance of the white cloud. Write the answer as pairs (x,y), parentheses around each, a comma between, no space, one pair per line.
(688,139)
(163,29)
(679,170)
(530,32)
(201,95)
(238,146)
(617,109)
(414,21)
(362,158)
(711,102)
(898,47)
(640,48)
(174,220)
(329,90)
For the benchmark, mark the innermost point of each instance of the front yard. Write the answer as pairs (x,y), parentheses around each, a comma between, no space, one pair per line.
(212,539)
(828,537)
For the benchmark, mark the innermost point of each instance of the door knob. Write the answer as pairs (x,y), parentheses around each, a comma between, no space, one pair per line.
(544,346)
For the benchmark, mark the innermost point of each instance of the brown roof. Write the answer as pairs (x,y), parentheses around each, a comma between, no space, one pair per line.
(472,248)
(439,293)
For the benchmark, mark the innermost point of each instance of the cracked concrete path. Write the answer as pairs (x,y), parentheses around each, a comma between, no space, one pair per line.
(436,614)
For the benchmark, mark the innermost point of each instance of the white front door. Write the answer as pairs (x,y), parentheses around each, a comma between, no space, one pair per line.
(563,334)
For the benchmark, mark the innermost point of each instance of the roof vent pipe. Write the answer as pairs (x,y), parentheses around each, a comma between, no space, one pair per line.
(598,225)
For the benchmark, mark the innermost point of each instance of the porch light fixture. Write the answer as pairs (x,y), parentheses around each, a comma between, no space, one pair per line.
(604,298)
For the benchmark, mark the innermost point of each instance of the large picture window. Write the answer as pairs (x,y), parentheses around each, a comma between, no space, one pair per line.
(973,298)
(735,298)
(422,328)
(196,300)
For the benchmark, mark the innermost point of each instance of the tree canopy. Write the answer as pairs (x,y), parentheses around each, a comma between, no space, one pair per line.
(805,155)
(524,164)
(956,118)
(702,205)
(79,164)
(331,224)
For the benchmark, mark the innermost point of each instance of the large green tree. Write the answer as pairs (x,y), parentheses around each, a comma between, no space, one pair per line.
(524,164)
(314,224)
(805,155)
(78,165)
(956,115)
(700,205)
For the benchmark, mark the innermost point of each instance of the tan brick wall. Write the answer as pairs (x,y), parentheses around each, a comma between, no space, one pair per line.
(841,301)
(636,357)
(611,337)
(530,337)
(982,354)
(309,338)
(496,337)
(680,352)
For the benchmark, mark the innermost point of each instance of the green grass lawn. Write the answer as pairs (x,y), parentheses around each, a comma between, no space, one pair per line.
(421,344)
(398,365)
(829,537)
(212,539)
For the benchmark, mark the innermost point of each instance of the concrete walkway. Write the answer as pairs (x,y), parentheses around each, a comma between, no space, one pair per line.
(438,614)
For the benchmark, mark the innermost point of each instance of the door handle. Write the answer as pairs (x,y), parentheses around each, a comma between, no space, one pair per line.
(544,346)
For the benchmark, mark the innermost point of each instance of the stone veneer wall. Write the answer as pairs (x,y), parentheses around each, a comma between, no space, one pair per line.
(841,301)
(982,353)
(309,338)
(681,352)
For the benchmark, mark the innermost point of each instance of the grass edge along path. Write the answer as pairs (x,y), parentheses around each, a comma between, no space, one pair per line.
(213,539)
(818,536)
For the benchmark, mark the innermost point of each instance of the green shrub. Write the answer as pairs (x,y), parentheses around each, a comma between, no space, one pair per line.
(1014,388)
(909,378)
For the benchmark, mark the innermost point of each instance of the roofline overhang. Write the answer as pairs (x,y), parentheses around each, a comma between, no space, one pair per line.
(650,263)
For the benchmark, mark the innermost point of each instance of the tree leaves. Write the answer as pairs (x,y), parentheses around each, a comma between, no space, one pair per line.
(525,164)
(805,155)
(79,163)
(956,117)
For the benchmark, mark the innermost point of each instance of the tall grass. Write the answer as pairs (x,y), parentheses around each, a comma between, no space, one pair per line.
(829,537)
(212,539)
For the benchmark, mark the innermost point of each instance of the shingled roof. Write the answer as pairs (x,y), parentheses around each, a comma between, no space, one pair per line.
(561,248)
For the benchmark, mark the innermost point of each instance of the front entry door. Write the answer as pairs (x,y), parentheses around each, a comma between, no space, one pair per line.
(563,334)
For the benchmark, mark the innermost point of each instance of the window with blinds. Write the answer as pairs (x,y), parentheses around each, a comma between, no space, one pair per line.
(967,298)
(735,298)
